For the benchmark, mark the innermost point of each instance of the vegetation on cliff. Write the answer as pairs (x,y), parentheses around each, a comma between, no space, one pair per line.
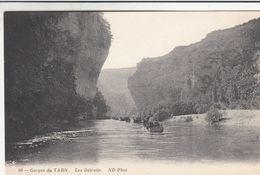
(221,69)
(52,63)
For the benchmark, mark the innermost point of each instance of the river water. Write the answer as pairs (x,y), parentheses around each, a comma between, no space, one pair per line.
(106,140)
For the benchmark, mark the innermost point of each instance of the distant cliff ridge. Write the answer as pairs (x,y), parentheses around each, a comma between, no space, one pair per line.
(113,85)
(52,63)
(222,68)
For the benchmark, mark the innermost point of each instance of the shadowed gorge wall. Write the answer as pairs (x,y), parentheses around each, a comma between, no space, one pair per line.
(52,63)
(221,68)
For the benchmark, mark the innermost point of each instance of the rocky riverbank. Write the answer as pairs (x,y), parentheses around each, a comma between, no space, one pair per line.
(249,118)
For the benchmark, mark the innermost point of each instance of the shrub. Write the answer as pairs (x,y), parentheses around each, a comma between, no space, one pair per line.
(188,119)
(162,115)
(233,105)
(202,108)
(183,108)
(213,115)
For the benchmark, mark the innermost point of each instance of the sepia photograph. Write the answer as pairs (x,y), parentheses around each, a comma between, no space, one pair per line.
(145,87)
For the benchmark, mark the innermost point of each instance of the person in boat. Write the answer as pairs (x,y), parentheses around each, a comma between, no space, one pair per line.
(145,121)
(153,122)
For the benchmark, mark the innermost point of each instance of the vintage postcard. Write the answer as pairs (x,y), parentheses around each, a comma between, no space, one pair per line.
(120,90)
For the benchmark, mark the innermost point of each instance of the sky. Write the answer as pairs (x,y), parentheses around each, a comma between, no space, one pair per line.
(138,35)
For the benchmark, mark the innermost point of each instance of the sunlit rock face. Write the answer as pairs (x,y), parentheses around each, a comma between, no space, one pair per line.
(221,68)
(93,43)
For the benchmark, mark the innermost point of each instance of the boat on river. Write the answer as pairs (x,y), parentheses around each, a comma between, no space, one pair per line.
(151,122)
(153,126)
(156,129)
(137,120)
(126,119)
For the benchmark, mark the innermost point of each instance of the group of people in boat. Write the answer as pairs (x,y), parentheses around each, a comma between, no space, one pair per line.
(151,123)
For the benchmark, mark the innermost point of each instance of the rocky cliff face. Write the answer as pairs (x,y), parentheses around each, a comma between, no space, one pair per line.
(113,85)
(91,32)
(52,63)
(221,68)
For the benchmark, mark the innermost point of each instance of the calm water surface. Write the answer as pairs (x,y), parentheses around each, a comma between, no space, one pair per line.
(106,140)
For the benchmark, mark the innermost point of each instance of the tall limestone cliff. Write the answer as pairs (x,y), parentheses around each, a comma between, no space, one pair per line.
(52,63)
(222,68)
